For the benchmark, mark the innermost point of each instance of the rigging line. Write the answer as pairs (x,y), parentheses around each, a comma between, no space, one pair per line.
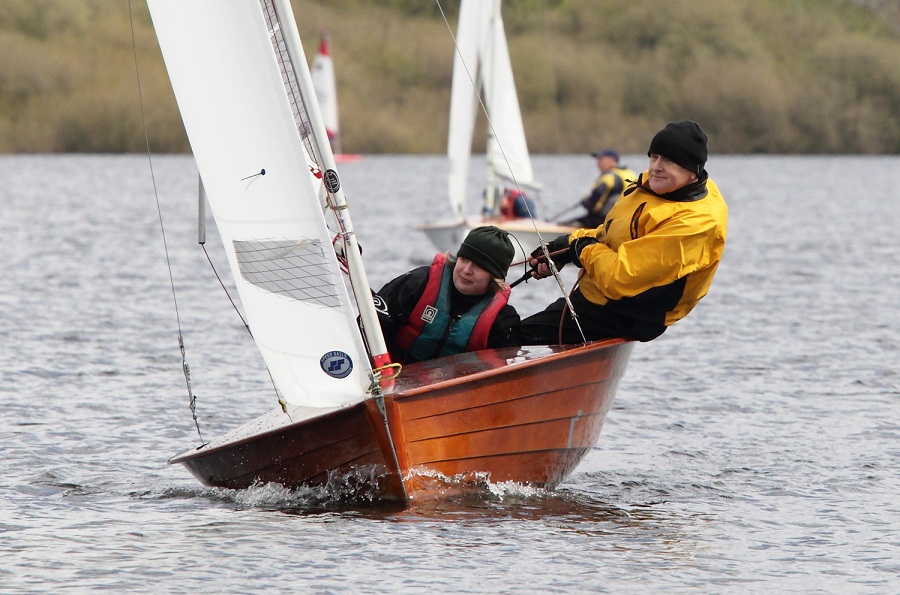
(225,289)
(184,364)
(278,395)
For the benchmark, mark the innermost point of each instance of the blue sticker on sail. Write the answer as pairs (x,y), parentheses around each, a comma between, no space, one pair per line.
(336,364)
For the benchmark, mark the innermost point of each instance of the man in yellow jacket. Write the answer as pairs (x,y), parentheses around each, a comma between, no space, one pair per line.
(651,260)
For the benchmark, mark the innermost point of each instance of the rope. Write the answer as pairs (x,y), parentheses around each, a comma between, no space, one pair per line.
(192,399)
(225,289)
(281,402)
(395,368)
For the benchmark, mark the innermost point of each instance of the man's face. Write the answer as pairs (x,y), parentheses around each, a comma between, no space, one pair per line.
(667,176)
(606,162)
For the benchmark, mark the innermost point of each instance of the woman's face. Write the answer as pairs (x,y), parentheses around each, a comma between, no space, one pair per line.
(667,176)
(469,278)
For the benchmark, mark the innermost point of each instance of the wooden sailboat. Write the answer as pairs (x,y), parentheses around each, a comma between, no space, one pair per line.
(482,74)
(322,72)
(526,414)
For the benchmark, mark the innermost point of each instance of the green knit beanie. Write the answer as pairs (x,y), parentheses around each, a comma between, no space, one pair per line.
(490,248)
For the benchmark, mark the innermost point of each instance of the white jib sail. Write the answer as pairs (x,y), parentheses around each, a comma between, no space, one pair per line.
(482,56)
(234,104)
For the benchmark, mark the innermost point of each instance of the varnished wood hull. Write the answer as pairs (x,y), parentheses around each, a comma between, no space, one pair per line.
(349,442)
(527,415)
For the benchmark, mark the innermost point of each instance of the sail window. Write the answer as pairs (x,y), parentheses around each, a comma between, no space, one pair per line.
(294,269)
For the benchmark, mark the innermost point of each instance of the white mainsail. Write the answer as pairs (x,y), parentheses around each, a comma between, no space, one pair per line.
(322,72)
(482,56)
(247,137)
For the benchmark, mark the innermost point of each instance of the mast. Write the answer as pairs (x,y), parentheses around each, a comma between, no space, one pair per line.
(487,67)
(358,279)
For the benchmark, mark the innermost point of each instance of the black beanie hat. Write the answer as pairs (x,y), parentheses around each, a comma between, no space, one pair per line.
(488,247)
(684,142)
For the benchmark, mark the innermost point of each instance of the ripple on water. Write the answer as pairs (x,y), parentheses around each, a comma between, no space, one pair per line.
(752,448)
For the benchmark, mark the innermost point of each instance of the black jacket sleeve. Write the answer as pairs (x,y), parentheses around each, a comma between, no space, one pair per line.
(506,330)
(399,297)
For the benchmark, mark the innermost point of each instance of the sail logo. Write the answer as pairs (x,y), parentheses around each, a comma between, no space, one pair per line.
(336,364)
(332,181)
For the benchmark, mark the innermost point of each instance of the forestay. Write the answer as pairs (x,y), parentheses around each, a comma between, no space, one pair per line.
(247,140)
(482,57)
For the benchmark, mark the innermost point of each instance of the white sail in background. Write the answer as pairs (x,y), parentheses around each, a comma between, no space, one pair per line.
(322,72)
(250,154)
(483,57)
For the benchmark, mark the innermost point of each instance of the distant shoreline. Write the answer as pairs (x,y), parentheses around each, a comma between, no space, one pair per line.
(774,77)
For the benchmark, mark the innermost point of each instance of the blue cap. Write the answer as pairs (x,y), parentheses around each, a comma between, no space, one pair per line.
(605,153)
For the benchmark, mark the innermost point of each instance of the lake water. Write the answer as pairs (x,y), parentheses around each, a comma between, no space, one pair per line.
(753,448)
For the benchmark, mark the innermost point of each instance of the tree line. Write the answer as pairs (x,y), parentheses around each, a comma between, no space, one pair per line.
(761,76)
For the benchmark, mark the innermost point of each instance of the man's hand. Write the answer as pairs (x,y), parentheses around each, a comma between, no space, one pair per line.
(538,262)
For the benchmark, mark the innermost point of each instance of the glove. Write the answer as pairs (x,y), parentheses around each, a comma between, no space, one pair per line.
(577,246)
(555,245)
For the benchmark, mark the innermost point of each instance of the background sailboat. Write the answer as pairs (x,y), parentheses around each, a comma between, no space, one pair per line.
(527,414)
(325,84)
(482,74)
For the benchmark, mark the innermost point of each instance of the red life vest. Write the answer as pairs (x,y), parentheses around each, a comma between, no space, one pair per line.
(508,204)
(430,332)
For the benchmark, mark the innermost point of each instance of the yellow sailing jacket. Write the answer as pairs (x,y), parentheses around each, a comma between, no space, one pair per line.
(657,257)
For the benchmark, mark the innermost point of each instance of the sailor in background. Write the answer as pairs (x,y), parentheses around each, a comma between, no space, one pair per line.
(606,189)
(516,205)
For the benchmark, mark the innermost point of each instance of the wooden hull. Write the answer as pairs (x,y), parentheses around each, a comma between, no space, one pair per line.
(527,415)
(343,444)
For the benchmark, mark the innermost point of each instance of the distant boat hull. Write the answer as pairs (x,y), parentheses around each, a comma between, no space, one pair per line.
(347,158)
(448,235)
(527,415)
